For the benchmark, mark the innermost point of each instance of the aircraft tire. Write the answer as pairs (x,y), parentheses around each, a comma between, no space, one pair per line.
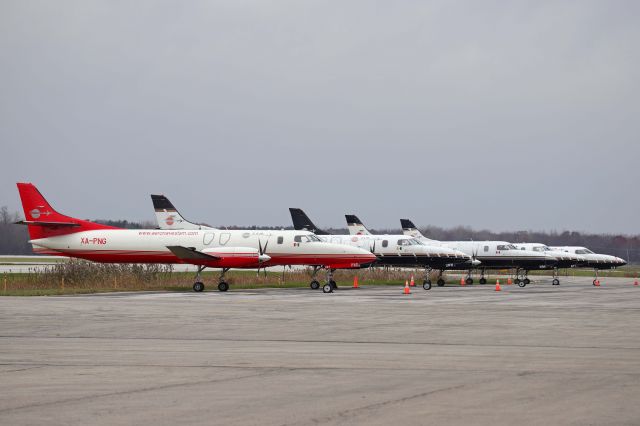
(198,287)
(556,281)
(426,285)
(594,282)
(521,284)
(315,285)
(223,286)
(327,288)
(469,281)
(483,281)
(440,282)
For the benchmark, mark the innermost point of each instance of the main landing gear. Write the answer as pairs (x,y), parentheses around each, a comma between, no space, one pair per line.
(315,284)
(469,280)
(198,286)
(522,278)
(483,280)
(596,281)
(556,280)
(331,284)
(222,285)
(426,284)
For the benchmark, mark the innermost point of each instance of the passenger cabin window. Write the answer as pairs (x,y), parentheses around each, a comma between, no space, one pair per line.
(301,238)
(280,239)
(403,242)
(385,243)
(503,247)
(486,248)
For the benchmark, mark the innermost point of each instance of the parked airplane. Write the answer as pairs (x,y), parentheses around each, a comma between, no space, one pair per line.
(565,259)
(491,254)
(594,260)
(57,234)
(168,217)
(391,250)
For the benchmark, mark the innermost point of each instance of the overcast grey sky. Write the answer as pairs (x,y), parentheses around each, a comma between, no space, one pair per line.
(493,114)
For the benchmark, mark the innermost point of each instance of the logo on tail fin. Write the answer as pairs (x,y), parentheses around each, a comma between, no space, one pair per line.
(169,220)
(35,213)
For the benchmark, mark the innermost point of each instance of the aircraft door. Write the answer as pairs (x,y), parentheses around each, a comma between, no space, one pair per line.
(208,237)
(224,238)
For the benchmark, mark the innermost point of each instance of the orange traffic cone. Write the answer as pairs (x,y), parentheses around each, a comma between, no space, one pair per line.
(509,282)
(355,281)
(635,282)
(462,282)
(412,283)
(498,285)
(406,287)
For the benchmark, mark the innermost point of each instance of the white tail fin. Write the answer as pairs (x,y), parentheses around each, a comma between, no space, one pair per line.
(355,225)
(168,216)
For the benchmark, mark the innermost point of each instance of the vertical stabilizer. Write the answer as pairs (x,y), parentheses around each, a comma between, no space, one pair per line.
(355,225)
(168,216)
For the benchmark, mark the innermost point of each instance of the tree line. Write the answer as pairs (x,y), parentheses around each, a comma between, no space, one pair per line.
(13,238)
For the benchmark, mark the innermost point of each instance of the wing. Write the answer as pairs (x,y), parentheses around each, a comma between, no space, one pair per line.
(189,254)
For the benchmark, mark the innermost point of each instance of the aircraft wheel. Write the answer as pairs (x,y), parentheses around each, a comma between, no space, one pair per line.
(198,287)
(333,284)
(527,281)
(556,281)
(516,281)
(440,282)
(223,286)
(469,281)
(426,285)
(315,285)
(521,284)
(327,288)
(483,280)
(594,282)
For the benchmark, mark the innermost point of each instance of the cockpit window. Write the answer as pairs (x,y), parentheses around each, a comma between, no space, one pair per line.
(584,251)
(409,242)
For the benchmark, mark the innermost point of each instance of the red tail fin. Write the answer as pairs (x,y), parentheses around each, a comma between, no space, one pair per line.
(42,219)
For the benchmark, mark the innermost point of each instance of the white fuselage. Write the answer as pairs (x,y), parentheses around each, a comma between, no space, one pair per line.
(400,249)
(150,246)
(594,260)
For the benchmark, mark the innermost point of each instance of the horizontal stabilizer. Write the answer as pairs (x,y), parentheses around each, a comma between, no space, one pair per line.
(187,253)
(39,223)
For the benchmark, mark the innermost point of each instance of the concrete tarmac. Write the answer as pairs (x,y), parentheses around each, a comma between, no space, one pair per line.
(538,355)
